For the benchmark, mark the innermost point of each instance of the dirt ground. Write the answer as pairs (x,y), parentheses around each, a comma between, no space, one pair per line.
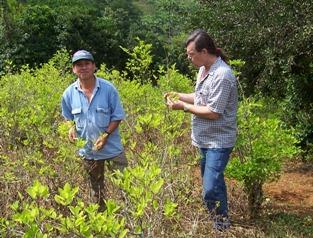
(294,189)
(287,208)
(292,192)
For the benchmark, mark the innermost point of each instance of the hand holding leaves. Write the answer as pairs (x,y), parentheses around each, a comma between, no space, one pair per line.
(72,134)
(171,96)
(100,142)
(172,101)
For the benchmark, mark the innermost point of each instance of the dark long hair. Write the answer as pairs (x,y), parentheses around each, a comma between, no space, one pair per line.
(204,41)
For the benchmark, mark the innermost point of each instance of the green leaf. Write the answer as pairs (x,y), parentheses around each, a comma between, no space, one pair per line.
(66,195)
(38,190)
(155,187)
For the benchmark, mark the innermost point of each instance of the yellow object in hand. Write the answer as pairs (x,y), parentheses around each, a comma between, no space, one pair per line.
(172,96)
(100,141)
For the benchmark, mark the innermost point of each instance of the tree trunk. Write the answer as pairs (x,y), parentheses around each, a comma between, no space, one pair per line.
(255,199)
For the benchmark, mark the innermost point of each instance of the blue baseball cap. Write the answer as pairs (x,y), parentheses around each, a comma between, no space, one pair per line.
(82,55)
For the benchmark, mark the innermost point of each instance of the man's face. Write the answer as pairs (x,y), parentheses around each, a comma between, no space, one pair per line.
(84,69)
(196,57)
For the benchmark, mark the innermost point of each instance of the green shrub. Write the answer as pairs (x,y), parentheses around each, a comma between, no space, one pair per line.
(263,144)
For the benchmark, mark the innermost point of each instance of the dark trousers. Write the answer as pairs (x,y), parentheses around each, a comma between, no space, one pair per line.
(95,171)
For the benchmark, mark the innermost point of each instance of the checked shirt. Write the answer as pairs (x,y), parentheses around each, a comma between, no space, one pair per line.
(217,91)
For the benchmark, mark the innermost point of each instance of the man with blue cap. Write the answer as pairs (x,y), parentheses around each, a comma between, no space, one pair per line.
(94,105)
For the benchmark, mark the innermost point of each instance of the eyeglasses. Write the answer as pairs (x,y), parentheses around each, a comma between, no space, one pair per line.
(190,55)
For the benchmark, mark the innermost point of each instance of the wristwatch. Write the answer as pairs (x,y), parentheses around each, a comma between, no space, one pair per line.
(186,107)
(105,134)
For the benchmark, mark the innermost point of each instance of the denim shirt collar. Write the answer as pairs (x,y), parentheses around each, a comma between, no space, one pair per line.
(77,84)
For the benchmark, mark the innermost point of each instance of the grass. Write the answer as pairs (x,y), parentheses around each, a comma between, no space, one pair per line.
(286,224)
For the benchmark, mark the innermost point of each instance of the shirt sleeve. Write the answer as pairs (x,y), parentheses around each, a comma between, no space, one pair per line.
(219,95)
(117,111)
(66,108)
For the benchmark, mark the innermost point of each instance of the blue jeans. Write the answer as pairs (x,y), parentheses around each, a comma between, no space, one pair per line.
(213,164)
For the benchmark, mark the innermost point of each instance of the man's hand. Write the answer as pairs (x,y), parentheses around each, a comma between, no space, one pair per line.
(175,105)
(172,101)
(171,96)
(100,142)
(72,134)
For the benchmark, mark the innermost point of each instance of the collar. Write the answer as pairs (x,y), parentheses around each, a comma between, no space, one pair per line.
(212,69)
(77,84)
(214,66)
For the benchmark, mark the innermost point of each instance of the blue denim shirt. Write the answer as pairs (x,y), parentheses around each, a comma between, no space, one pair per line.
(92,119)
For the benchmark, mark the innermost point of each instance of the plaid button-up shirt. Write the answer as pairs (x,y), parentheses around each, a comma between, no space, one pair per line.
(217,91)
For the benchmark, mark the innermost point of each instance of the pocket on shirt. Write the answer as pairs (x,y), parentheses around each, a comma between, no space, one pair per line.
(102,116)
(203,97)
(77,113)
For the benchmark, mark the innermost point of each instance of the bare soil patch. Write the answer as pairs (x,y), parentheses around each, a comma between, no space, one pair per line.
(293,191)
